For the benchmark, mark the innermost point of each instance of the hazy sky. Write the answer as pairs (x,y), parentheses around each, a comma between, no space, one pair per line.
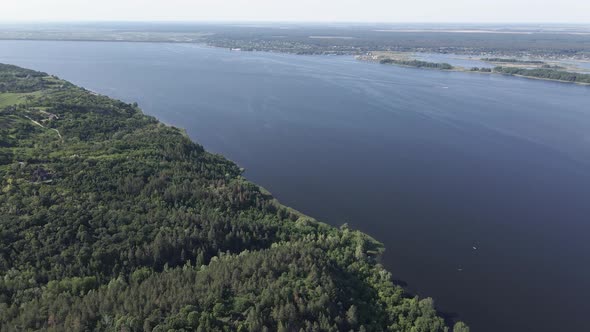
(565,11)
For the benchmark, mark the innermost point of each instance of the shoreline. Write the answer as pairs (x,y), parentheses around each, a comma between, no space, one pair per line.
(305,230)
(355,56)
(203,41)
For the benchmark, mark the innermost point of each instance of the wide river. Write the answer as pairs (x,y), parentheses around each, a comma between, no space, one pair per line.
(479,185)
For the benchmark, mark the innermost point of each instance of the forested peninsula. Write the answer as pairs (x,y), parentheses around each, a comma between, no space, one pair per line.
(113,221)
(542,70)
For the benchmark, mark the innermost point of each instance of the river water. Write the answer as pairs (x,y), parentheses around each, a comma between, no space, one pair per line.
(478,185)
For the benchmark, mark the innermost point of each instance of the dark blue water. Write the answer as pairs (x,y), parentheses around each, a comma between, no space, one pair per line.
(434,164)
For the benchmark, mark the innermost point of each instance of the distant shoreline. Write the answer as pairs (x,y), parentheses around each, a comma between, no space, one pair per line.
(365,58)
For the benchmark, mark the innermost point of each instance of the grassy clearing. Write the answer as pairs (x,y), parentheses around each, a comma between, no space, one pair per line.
(10,98)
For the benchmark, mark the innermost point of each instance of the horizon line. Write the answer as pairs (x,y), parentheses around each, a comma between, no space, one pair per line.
(247,21)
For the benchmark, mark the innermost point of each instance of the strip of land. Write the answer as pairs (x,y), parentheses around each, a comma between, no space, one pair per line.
(514,67)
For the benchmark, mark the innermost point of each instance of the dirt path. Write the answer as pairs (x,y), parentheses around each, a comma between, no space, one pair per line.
(42,126)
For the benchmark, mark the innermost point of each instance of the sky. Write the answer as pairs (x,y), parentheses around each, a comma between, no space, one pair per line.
(475,11)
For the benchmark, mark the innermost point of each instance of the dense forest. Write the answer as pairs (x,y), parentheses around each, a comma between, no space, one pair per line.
(546,73)
(531,62)
(417,64)
(112,221)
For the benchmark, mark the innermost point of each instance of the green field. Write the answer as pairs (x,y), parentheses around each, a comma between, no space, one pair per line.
(8,99)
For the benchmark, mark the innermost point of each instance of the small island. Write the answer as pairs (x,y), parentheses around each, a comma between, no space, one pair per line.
(535,69)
